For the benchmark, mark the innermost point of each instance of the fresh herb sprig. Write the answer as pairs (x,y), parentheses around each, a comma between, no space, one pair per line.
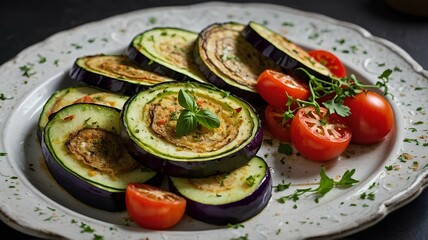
(325,186)
(337,88)
(192,116)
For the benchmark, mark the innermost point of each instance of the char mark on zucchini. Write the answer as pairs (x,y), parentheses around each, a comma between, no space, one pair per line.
(115,73)
(167,51)
(228,61)
(283,52)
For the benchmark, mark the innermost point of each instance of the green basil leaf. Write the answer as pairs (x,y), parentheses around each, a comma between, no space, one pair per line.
(207,119)
(186,123)
(186,100)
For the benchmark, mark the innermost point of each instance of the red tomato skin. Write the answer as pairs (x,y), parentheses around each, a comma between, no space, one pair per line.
(331,61)
(275,87)
(274,124)
(153,213)
(371,119)
(314,146)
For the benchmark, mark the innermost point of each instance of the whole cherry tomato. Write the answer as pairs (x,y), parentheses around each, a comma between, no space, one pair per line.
(371,119)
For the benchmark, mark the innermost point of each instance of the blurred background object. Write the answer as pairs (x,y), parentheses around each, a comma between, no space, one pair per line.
(411,7)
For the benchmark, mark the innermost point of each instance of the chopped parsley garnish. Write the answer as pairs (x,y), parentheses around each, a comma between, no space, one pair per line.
(372,185)
(250,180)
(27,70)
(411,140)
(354,49)
(285,149)
(235,226)
(76,46)
(41,59)
(282,186)
(404,157)
(384,77)
(153,20)
(295,196)
(245,237)
(86,228)
(3,97)
(370,196)
(314,36)
(413,129)
(290,24)
(341,41)
(98,237)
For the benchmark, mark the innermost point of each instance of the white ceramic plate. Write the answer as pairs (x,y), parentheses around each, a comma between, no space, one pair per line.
(33,202)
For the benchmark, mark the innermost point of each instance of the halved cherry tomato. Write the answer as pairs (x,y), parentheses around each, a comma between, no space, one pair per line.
(329,60)
(278,128)
(152,207)
(275,87)
(371,119)
(318,137)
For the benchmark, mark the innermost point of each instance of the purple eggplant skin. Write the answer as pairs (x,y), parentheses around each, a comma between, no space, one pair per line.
(287,63)
(230,213)
(147,64)
(80,74)
(84,191)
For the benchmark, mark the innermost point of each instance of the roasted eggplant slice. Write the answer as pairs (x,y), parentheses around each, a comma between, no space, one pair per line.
(227,198)
(114,73)
(282,51)
(78,94)
(149,127)
(167,51)
(85,155)
(229,62)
